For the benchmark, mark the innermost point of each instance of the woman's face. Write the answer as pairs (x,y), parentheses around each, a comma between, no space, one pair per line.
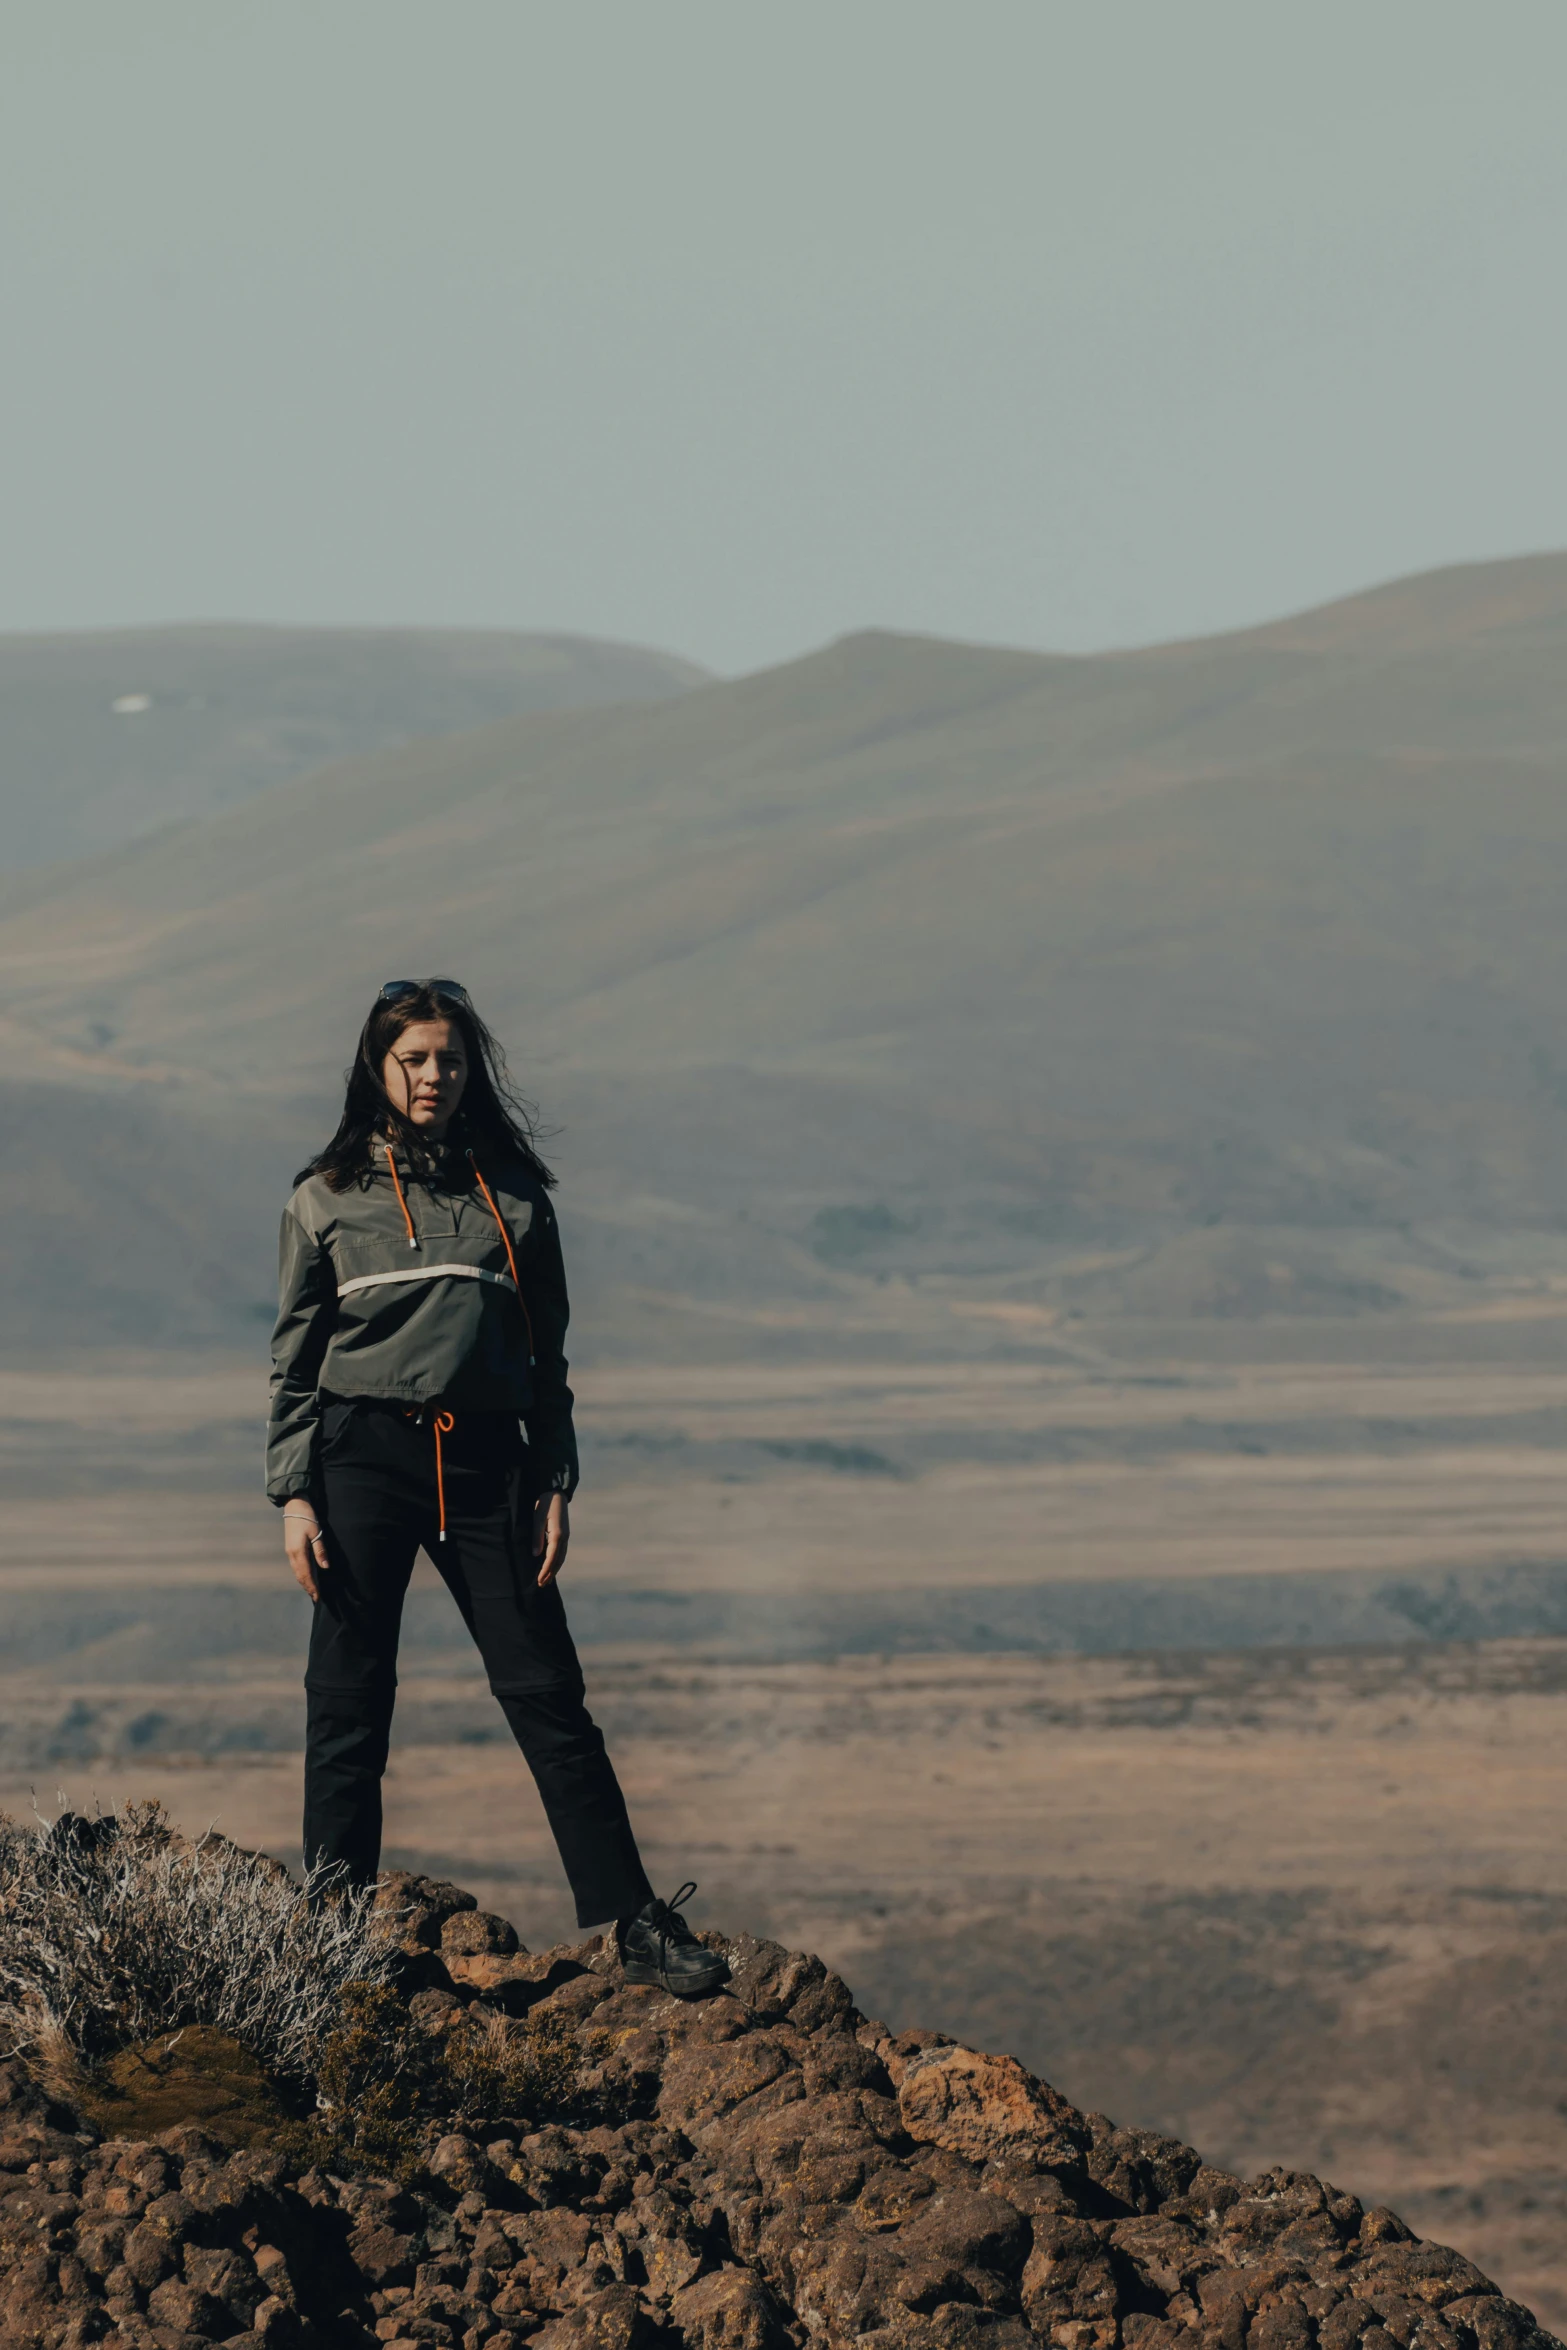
(424,1074)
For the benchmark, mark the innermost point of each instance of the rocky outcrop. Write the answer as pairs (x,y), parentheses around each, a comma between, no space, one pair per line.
(778,2170)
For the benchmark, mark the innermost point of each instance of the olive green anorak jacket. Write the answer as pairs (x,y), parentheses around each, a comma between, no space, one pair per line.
(402,1291)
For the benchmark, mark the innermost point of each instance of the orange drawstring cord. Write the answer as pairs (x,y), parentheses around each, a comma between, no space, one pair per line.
(391,1164)
(443,1422)
(510,1256)
(443,1425)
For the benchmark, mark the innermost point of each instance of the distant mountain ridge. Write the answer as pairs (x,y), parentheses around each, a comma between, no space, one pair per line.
(1460,604)
(1218,954)
(108,734)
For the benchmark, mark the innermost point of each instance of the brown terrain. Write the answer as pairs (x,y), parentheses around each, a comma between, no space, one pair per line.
(763,2167)
(1269,1866)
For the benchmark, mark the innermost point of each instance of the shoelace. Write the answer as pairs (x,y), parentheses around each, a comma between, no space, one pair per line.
(671,1927)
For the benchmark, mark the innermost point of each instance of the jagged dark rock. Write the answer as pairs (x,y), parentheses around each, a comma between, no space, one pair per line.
(781,2170)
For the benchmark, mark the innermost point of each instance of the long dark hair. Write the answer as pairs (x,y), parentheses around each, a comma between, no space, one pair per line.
(492,1117)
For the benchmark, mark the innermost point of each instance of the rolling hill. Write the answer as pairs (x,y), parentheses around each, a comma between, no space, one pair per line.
(105,736)
(908,961)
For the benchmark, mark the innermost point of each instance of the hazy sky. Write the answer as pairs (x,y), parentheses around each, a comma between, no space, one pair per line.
(731,327)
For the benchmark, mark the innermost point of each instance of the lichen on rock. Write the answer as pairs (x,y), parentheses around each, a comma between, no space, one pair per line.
(195,2075)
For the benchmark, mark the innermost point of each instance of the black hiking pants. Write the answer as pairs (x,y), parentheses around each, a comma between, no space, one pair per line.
(380,1506)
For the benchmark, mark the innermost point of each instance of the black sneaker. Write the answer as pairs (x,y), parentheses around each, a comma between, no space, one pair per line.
(657,1946)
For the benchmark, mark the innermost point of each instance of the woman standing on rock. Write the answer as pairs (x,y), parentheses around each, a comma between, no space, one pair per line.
(422,1312)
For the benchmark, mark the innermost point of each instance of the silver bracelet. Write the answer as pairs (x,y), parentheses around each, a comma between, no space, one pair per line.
(300,1519)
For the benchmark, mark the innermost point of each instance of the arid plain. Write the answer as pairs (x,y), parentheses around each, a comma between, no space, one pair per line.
(1188,1714)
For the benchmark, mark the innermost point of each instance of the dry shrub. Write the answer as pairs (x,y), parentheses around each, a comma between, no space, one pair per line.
(115,1933)
(387,2088)
(499,2067)
(112,1929)
(371,2085)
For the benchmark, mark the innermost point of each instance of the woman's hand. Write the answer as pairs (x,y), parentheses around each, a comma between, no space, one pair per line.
(305,1544)
(551,1534)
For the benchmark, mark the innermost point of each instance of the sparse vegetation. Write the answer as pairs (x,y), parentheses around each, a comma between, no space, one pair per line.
(113,1929)
(133,1964)
(386,2086)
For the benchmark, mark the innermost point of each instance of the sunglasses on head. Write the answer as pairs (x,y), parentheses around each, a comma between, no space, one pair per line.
(395,990)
